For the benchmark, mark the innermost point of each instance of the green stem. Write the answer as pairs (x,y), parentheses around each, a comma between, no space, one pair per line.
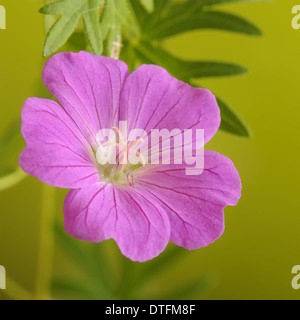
(46,237)
(12,179)
(46,244)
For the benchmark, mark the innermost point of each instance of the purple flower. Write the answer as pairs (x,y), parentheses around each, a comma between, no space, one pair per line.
(144,208)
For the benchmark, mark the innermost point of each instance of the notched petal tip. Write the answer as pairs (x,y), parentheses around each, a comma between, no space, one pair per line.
(195,204)
(140,227)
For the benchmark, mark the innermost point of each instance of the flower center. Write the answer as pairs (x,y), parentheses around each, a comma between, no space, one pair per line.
(119,171)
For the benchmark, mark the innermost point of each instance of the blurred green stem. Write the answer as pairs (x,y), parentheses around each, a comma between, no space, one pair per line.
(46,236)
(46,243)
(12,179)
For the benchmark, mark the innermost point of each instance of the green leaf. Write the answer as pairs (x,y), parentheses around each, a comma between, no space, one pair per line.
(186,70)
(161,6)
(204,69)
(126,17)
(146,19)
(118,18)
(140,12)
(231,122)
(63,28)
(54,8)
(60,32)
(148,4)
(111,28)
(91,19)
(89,262)
(203,20)
(66,7)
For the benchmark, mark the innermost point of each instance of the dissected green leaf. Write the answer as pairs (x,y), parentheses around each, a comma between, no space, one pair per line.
(63,28)
(140,12)
(148,4)
(118,17)
(111,28)
(203,20)
(86,259)
(231,122)
(166,11)
(186,70)
(91,19)
(204,69)
(148,19)
(126,17)
(58,7)
(160,7)
(67,7)
(60,32)
(189,15)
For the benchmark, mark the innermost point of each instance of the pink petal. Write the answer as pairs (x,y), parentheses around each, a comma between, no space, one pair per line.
(194,203)
(88,87)
(152,99)
(56,152)
(99,212)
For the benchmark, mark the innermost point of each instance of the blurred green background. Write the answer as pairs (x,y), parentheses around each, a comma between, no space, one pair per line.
(254,257)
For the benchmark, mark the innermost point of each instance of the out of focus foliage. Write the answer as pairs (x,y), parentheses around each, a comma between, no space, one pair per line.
(137,29)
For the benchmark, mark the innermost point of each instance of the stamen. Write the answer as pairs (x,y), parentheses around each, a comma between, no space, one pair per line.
(120,135)
(135,142)
(124,160)
(125,148)
(111,144)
